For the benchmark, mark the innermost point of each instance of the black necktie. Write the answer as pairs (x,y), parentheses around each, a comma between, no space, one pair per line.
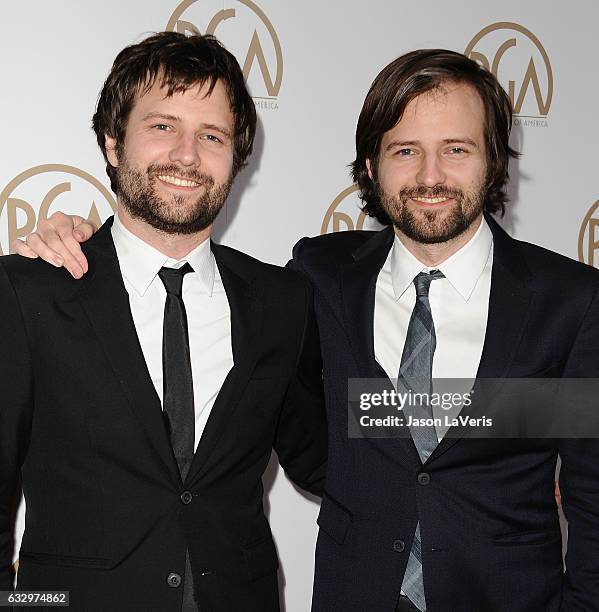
(177,400)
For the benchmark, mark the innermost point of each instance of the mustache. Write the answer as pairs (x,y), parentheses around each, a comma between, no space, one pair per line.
(190,174)
(439,191)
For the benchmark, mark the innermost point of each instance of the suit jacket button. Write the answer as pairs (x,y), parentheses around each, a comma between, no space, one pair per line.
(424,478)
(173,580)
(186,497)
(399,545)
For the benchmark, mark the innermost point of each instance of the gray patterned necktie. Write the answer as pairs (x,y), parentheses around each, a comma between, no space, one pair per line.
(415,374)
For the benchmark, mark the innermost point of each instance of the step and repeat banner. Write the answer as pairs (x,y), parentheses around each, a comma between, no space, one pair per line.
(308,65)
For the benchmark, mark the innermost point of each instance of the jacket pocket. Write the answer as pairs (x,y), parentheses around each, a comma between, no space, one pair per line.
(261,558)
(334,519)
(523,538)
(66,560)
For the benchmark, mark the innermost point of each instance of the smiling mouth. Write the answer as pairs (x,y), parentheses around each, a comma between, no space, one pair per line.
(432,201)
(178,182)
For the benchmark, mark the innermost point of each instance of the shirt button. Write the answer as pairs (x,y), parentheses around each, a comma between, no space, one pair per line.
(424,478)
(186,497)
(399,545)
(173,580)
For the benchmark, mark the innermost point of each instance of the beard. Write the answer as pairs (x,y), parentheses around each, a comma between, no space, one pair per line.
(434,226)
(174,214)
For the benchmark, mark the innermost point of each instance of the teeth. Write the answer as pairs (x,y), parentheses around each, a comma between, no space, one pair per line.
(173,180)
(430,200)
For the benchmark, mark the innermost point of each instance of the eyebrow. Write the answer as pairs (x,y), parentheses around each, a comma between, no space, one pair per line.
(218,128)
(411,143)
(160,116)
(210,126)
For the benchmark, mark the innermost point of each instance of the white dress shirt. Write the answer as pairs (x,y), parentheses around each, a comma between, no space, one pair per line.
(459,306)
(208,315)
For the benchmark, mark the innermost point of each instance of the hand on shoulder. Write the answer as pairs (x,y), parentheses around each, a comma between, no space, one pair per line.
(57,240)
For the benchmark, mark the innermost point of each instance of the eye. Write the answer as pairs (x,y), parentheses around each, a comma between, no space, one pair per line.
(457,150)
(161,127)
(211,138)
(404,152)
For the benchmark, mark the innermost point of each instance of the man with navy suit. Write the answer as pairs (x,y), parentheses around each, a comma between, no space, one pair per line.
(452,524)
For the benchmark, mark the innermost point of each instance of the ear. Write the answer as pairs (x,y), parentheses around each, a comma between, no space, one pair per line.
(369,168)
(110,144)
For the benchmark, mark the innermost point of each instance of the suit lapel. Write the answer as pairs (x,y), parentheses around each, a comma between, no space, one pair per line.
(358,288)
(105,301)
(247,315)
(509,303)
(358,285)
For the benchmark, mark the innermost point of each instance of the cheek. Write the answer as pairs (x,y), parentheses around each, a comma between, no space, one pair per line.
(144,151)
(479,177)
(393,177)
(467,176)
(219,165)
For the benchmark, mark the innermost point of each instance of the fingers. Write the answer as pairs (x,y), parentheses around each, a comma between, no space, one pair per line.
(84,229)
(57,241)
(34,246)
(54,241)
(20,248)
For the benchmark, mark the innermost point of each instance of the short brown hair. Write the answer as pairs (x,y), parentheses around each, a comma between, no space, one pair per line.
(409,76)
(180,62)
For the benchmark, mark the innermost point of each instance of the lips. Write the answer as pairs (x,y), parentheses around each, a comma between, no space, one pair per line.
(178,182)
(431,200)
(437,202)
(436,197)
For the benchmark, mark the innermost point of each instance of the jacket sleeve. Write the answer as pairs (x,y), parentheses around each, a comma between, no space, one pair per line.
(16,402)
(301,436)
(579,481)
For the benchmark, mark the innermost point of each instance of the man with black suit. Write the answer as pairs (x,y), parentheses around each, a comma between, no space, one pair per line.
(437,522)
(140,405)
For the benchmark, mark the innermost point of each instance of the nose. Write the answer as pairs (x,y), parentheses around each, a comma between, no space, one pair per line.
(185,150)
(430,172)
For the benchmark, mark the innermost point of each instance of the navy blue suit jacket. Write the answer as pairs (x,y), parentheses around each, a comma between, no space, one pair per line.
(489,522)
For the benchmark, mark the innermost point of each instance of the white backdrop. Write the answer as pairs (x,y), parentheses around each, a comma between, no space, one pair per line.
(309,66)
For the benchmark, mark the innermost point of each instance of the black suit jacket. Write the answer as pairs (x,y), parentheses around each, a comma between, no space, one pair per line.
(489,522)
(80,419)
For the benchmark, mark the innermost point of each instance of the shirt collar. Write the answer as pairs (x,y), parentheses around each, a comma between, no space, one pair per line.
(140,262)
(462,269)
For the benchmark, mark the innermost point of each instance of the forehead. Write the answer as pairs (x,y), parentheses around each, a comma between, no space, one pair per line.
(197,101)
(449,111)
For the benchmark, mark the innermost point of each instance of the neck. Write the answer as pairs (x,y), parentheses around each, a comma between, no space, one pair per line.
(432,255)
(175,246)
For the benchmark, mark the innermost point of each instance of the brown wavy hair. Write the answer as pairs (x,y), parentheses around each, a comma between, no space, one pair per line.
(180,62)
(409,76)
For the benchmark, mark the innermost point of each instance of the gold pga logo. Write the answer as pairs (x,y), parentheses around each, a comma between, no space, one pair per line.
(588,236)
(517,58)
(345,214)
(49,188)
(244,29)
